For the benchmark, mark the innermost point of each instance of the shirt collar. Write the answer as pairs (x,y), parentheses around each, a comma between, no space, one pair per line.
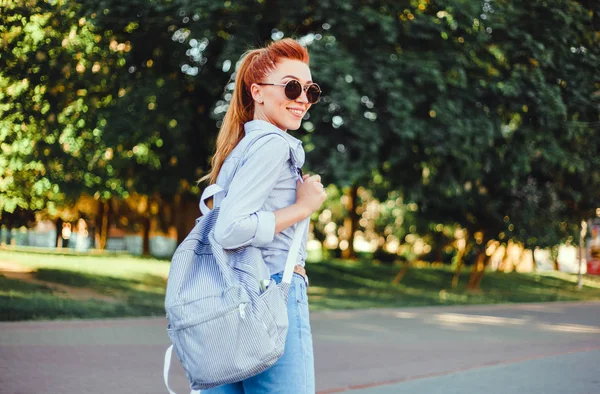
(295,143)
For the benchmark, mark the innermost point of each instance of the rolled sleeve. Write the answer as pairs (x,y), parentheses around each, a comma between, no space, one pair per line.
(265,228)
(242,220)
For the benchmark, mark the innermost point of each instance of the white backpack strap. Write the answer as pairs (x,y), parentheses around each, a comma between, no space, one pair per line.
(298,234)
(206,194)
(166,371)
(167,367)
(294,249)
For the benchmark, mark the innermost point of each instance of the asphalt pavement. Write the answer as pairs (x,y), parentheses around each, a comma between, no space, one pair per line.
(551,348)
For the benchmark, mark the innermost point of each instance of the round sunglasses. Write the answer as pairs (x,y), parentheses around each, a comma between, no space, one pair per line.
(293,90)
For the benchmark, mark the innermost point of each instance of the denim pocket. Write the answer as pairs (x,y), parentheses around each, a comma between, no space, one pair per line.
(300,289)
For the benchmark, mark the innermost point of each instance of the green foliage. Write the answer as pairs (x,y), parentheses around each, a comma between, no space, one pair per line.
(52,90)
(483,114)
(473,117)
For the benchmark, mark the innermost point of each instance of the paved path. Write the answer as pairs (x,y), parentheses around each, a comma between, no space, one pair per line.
(525,348)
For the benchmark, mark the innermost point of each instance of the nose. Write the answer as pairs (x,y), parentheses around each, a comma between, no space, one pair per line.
(303,98)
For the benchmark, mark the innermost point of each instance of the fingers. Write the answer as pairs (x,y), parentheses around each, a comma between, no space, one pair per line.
(314,179)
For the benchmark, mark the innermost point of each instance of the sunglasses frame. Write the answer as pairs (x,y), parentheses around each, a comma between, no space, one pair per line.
(304,88)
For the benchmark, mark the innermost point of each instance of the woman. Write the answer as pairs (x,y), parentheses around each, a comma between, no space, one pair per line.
(265,198)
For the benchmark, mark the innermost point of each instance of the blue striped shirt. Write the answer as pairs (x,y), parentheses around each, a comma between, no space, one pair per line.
(264,182)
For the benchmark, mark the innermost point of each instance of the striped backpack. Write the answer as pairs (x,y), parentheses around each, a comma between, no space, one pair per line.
(227,318)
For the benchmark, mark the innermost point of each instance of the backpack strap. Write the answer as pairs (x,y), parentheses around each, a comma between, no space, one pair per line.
(209,192)
(214,189)
(167,366)
(294,249)
(299,232)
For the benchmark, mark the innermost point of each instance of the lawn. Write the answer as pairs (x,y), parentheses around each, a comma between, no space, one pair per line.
(81,286)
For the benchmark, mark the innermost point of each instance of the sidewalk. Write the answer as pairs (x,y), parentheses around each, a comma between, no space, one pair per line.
(566,373)
(530,348)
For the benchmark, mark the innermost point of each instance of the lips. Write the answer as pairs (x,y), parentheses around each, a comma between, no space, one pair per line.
(296,112)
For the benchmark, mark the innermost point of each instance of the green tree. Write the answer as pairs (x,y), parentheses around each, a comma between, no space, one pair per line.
(52,86)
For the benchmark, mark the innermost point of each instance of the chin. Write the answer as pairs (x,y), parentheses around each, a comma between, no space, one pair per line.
(293,124)
(287,123)
(294,127)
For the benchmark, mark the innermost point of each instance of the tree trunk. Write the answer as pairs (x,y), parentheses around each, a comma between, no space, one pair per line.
(438,250)
(402,273)
(460,261)
(59,239)
(8,235)
(555,259)
(486,263)
(146,239)
(92,233)
(104,212)
(478,270)
(351,223)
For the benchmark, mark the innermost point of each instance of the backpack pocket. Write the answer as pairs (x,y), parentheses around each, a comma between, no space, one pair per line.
(229,347)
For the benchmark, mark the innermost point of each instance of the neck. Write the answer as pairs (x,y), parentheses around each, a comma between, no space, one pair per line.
(259,115)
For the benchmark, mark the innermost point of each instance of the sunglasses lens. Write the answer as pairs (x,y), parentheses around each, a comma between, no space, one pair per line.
(293,89)
(313,93)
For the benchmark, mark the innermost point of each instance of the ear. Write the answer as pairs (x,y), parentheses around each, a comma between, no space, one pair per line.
(257,94)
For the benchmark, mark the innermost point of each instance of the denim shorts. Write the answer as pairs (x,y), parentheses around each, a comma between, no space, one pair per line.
(294,372)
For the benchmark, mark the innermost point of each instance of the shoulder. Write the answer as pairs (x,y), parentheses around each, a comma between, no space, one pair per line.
(269,144)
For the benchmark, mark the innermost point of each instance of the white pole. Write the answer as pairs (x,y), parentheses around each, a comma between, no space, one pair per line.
(581,251)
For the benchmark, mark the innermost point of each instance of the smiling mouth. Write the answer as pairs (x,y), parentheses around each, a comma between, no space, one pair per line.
(296,112)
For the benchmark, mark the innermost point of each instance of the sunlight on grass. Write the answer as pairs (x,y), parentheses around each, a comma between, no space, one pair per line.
(117,266)
(136,286)
(588,280)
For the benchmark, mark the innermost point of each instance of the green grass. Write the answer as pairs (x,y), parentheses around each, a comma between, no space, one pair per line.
(340,284)
(118,266)
(137,286)
(130,286)
(24,301)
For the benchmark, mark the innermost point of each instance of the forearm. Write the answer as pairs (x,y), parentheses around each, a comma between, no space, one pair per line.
(289,216)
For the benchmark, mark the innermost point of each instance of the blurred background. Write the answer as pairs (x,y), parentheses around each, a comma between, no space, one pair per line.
(459,139)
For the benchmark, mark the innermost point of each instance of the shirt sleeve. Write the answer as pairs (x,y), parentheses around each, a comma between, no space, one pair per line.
(241,221)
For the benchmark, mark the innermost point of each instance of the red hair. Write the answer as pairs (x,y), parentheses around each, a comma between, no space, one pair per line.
(255,65)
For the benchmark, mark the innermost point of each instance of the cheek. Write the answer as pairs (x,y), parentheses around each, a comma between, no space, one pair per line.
(276,102)
(281,106)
